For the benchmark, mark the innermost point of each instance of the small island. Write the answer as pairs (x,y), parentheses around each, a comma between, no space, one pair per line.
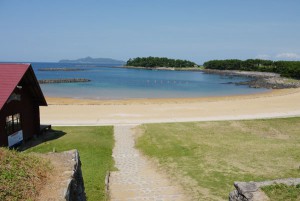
(159,62)
(52,81)
(90,60)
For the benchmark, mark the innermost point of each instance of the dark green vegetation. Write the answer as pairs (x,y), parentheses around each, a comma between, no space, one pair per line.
(95,149)
(285,68)
(159,62)
(207,157)
(282,192)
(21,175)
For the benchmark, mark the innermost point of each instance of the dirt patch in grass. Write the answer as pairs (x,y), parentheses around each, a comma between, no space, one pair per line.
(261,129)
(22,176)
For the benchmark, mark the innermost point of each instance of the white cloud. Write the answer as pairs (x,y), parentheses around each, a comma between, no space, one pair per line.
(288,56)
(263,56)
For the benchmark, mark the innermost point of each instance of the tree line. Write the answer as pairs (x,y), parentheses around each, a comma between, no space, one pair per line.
(284,68)
(159,62)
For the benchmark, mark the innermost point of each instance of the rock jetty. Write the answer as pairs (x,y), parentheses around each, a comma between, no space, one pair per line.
(272,83)
(63,80)
(61,69)
(253,74)
(259,79)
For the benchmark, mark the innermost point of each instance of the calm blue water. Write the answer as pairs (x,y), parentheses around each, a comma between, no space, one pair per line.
(121,83)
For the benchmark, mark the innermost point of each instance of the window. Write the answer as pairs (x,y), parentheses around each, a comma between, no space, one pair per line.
(13,124)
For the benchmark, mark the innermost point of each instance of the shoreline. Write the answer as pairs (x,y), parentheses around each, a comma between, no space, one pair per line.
(259,79)
(267,80)
(143,101)
(277,103)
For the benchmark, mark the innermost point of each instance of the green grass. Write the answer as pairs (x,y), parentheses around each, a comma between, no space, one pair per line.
(95,150)
(281,192)
(21,175)
(207,157)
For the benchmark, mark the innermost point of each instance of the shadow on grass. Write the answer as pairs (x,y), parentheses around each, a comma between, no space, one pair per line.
(48,135)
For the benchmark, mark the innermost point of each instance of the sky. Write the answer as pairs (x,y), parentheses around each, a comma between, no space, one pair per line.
(196,30)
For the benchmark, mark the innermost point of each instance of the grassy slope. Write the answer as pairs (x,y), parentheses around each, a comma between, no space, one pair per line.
(208,157)
(95,149)
(21,175)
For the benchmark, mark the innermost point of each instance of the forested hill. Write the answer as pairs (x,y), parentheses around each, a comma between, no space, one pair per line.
(159,62)
(284,68)
(94,61)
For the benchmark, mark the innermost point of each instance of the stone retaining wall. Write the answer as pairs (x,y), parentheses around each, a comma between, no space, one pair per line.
(66,181)
(75,187)
(250,191)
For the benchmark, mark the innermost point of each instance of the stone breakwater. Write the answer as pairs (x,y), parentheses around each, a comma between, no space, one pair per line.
(272,83)
(61,69)
(63,80)
(253,74)
(259,79)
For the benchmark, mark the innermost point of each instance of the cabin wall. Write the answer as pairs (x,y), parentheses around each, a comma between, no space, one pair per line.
(29,111)
(3,137)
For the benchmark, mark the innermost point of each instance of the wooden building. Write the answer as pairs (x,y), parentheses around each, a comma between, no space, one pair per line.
(20,98)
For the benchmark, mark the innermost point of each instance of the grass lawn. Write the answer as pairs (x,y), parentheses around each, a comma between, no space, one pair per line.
(207,157)
(95,149)
(281,192)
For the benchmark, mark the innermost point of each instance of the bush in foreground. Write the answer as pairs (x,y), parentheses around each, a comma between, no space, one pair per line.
(21,175)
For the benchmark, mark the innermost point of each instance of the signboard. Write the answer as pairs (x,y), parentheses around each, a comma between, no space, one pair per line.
(15,138)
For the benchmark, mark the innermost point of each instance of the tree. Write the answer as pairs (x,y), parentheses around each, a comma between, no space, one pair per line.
(152,62)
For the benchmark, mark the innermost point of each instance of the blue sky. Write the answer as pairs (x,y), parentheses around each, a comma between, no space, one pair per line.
(197,30)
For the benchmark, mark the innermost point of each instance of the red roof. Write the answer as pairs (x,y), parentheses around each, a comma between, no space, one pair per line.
(11,75)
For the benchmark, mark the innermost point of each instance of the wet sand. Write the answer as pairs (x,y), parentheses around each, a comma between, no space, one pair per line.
(68,111)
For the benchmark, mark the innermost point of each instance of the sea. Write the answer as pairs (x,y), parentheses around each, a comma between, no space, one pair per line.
(110,82)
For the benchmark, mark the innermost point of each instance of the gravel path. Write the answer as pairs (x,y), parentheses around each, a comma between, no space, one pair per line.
(137,178)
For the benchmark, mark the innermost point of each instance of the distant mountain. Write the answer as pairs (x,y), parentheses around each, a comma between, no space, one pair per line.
(91,60)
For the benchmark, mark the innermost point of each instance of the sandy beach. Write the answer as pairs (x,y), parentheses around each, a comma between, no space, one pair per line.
(67,111)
